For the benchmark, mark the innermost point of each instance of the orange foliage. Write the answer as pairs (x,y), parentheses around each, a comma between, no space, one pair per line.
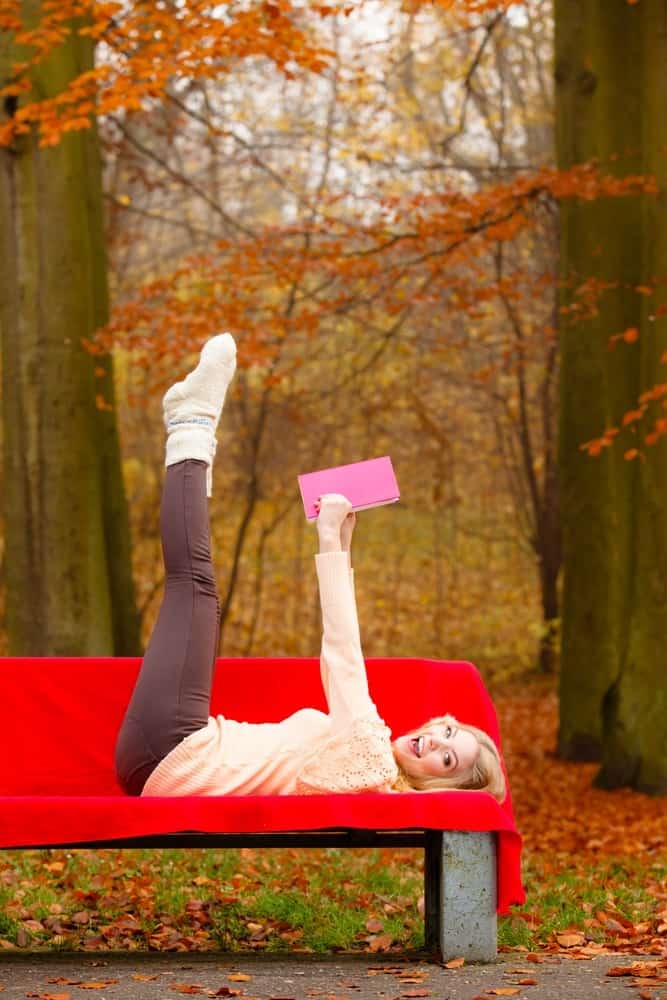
(421,248)
(150,44)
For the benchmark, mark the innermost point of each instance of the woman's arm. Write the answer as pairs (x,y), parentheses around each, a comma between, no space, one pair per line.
(342,664)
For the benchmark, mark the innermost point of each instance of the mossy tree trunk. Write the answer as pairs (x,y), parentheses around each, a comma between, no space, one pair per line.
(69,583)
(611,77)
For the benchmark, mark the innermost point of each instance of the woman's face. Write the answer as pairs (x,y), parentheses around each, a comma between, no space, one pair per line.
(442,750)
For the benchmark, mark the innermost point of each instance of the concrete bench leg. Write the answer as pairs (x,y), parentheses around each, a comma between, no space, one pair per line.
(460,895)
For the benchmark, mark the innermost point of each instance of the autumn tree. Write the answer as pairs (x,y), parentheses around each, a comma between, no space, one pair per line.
(68,561)
(397,245)
(611,76)
(69,582)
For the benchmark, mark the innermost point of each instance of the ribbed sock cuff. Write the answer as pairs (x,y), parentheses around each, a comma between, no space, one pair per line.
(191,441)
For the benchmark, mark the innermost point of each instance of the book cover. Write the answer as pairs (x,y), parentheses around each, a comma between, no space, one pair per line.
(370,483)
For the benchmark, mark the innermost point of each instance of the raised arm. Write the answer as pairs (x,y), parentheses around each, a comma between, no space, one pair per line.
(341,661)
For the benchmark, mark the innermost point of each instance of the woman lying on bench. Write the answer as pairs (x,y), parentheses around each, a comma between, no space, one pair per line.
(170,745)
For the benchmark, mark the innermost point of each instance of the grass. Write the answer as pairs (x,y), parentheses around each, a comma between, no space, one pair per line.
(288,900)
(626,890)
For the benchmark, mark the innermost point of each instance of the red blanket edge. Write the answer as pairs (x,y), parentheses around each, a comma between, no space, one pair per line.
(37,821)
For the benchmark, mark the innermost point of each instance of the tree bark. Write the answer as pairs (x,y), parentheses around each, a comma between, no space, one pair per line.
(635,709)
(69,582)
(610,68)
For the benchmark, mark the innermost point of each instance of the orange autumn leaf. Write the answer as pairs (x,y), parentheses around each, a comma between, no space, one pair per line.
(455,963)
(632,416)
(382,942)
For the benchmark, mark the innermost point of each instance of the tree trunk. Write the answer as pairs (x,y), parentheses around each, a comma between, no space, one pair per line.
(635,709)
(614,514)
(69,584)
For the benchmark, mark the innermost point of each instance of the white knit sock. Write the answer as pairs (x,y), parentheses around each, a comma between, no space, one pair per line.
(192,407)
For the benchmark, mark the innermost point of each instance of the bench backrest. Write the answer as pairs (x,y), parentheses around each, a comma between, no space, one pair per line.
(59,716)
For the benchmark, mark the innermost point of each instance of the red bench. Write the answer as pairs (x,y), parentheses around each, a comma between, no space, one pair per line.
(60,716)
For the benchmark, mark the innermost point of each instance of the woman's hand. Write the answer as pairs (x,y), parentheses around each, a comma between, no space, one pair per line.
(347,530)
(333,510)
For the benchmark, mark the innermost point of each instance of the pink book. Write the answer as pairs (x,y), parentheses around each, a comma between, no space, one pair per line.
(365,484)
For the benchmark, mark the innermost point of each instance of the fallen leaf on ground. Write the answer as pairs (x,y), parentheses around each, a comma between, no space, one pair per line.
(570,940)
(239,977)
(454,963)
(620,970)
(381,943)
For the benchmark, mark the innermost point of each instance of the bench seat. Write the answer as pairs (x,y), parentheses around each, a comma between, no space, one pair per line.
(59,719)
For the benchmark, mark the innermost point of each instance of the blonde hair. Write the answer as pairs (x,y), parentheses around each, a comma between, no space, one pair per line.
(486,774)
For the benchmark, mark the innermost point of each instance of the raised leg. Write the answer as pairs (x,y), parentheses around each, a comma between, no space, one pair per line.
(172,695)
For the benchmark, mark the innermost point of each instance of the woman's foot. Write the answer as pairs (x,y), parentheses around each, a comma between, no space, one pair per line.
(201,394)
(192,407)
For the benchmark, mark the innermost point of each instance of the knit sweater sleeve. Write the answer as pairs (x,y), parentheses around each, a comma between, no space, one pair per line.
(341,659)
(357,756)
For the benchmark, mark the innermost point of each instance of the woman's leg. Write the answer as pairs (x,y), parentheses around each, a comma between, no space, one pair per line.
(172,695)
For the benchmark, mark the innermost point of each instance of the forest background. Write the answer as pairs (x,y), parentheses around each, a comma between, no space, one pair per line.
(414,218)
(218,200)
(411,216)
(262,202)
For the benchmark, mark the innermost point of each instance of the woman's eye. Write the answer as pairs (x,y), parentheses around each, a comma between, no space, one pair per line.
(448,732)
(447,759)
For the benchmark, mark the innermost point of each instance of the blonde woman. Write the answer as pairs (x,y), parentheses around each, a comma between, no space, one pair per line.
(169,744)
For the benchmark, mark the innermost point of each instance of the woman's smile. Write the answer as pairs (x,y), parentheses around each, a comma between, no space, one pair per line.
(445,749)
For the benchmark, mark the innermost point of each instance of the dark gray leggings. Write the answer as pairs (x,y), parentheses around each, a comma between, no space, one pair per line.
(171,698)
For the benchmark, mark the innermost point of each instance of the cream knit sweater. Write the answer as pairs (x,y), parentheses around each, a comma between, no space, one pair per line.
(348,750)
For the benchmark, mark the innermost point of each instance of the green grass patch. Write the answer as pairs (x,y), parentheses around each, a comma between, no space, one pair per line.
(322,900)
(573,898)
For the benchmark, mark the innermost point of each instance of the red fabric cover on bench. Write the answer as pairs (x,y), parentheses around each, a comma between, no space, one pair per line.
(59,718)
